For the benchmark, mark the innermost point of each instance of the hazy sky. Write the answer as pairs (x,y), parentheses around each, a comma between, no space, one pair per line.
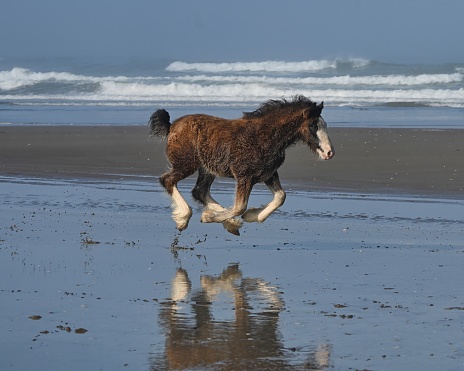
(412,31)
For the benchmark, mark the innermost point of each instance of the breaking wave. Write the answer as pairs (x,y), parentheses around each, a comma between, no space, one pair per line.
(355,82)
(268,66)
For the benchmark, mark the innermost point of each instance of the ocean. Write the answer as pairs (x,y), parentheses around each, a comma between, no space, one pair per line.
(356,92)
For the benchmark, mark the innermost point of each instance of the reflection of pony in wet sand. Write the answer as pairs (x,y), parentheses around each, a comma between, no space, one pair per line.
(249,149)
(200,334)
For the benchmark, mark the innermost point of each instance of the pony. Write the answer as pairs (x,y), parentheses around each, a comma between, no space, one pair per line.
(249,149)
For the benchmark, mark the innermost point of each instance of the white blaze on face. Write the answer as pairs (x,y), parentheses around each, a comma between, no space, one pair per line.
(326,150)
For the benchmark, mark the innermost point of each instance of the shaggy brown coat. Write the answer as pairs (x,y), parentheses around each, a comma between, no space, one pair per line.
(249,149)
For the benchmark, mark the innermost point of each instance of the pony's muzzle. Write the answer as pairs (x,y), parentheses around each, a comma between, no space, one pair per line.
(329,154)
(326,154)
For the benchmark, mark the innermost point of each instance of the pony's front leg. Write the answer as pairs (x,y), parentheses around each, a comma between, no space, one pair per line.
(201,193)
(242,194)
(261,214)
(231,225)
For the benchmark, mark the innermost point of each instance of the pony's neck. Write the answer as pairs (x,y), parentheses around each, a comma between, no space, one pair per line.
(288,130)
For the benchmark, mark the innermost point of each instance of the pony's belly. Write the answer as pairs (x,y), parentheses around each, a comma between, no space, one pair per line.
(220,172)
(224,174)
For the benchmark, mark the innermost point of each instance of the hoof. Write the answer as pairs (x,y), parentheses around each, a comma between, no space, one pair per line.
(232,226)
(235,232)
(251,215)
(181,227)
(207,216)
(182,218)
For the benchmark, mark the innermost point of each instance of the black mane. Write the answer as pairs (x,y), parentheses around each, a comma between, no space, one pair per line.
(298,102)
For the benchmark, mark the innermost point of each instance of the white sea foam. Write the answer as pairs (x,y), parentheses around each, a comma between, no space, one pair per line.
(21,77)
(268,66)
(354,82)
(346,80)
(128,94)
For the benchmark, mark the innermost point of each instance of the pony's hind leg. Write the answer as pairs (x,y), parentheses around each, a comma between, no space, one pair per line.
(261,214)
(181,211)
(201,193)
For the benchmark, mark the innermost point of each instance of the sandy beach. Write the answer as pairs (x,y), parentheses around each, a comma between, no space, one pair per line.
(360,269)
(399,161)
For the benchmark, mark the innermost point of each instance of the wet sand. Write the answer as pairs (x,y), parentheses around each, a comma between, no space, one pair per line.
(360,269)
(400,161)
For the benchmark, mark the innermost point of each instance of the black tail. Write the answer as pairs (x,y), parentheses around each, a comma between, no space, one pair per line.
(160,124)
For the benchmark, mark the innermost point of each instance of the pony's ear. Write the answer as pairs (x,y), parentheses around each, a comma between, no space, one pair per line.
(315,110)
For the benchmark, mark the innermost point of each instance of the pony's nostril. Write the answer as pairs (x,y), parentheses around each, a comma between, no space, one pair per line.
(329,154)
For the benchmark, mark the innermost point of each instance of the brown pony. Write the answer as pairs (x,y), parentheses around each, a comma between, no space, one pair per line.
(249,149)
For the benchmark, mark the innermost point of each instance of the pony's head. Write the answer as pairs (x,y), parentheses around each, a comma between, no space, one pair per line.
(304,113)
(315,133)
